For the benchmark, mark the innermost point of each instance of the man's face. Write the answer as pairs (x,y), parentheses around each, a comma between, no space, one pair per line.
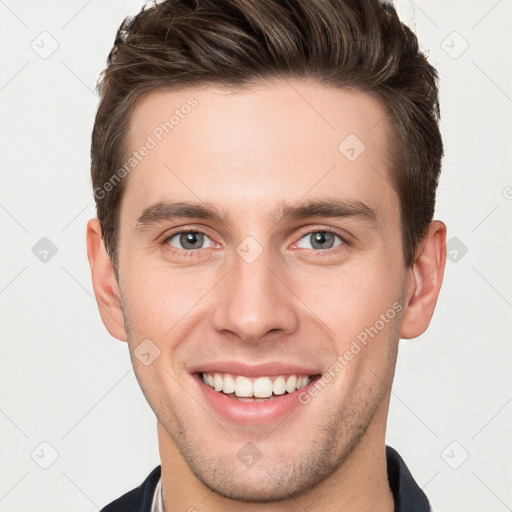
(258,293)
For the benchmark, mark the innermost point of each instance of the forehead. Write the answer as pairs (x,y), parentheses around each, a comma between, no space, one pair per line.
(273,142)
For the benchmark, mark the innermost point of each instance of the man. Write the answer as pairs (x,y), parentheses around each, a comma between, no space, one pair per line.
(265,175)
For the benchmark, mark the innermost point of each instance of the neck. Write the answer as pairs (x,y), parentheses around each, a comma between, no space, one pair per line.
(359,483)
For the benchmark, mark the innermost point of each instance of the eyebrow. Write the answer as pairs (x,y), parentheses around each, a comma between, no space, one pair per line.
(335,208)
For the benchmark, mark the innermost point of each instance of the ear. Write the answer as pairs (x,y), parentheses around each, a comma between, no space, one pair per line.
(106,288)
(425,279)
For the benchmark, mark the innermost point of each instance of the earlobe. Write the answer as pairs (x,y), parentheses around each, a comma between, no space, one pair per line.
(426,277)
(104,282)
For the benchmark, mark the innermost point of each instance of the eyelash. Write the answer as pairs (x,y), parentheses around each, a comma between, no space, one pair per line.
(190,253)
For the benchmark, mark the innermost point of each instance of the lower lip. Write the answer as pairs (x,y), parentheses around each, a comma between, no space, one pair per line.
(251,413)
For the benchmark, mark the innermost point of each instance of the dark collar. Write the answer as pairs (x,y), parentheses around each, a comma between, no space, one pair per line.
(408,495)
(406,492)
(139,499)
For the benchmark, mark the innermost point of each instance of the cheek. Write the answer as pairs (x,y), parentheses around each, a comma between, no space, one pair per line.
(159,297)
(353,297)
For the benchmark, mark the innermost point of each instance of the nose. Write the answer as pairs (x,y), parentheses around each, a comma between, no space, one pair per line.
(255,300)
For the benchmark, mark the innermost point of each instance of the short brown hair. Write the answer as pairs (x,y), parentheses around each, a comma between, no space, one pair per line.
(351,44)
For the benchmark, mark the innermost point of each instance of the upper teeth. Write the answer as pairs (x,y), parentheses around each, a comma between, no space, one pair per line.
(261,387)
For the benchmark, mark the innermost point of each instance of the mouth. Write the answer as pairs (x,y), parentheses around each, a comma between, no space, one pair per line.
(253,400)
(250,389)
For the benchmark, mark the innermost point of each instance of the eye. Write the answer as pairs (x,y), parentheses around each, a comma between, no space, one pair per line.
(320,239)
(188,240)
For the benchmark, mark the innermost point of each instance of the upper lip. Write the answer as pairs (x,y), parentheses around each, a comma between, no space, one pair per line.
(269,369)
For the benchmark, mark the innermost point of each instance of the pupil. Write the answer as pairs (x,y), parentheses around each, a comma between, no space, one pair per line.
(320,237)
(188,238)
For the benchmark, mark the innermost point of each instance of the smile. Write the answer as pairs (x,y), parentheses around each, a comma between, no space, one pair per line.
(253,401)
(263,388)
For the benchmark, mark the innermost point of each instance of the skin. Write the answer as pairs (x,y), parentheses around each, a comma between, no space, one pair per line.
(244,152)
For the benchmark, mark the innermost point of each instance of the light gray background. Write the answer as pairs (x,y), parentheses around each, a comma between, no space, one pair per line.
(66,383)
